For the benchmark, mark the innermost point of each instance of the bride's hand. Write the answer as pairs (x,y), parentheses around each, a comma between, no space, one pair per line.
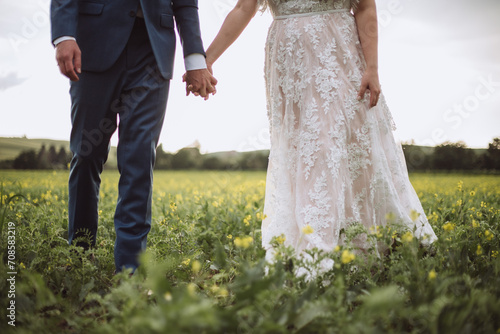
(370,82)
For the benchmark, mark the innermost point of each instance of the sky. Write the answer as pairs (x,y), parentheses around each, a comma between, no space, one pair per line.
(439,66)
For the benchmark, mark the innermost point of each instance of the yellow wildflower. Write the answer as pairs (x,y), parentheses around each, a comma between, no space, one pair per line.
(473,193)
(390,216)
(494,254)
(218,291)
(246,220)
(460,185)
(230,236)
(260,216)
(22,265)
(223,292)
(448,227)
(186,262)
(196,266)
(337,248)
(414,215)
(281,239)
(488,235)
(244,242)
(167,296)
(479,250)
(307,229)
(377,231)
(191,288)
(475,224)
(432,275)
(407,237)
(347,257)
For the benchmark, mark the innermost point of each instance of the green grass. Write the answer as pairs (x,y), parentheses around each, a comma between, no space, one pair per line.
(204,270)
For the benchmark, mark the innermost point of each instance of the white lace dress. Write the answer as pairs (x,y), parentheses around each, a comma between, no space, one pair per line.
(333,160)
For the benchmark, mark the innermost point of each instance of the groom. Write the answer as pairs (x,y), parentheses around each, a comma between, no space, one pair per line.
(119,57)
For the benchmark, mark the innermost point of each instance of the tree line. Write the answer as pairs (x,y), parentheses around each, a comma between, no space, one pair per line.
(42,159)
(191,158)
(453,157)
(445,157)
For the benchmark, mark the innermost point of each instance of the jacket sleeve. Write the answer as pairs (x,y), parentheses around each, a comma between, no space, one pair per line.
(188,26)
(63,18)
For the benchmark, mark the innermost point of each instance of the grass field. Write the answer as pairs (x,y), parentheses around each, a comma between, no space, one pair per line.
(204,270)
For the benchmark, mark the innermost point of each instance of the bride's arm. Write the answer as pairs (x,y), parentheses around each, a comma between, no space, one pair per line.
(366,21)
(234,24)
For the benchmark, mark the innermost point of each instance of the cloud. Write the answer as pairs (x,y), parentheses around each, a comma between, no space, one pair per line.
(9,80)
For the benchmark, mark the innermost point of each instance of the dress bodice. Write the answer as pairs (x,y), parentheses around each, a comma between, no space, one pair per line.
(294,7)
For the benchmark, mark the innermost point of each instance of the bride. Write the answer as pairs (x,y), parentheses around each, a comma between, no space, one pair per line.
(333,161)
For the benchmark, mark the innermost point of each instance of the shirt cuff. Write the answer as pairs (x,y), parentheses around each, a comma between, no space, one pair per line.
(62,39)
(195,61)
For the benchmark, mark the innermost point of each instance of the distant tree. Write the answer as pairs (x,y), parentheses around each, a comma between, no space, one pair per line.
(62,159)
(453,156)
(6,164)
(187,158)
(52,155)
(163,159)
(416,158)
(43,158)
(256,160)
(495,144)
(212,163)
(26,160)
(492,156)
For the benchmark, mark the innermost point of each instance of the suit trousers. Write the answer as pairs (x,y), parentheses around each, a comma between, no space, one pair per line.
(134,91)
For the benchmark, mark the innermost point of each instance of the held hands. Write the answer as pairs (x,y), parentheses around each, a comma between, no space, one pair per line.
(200,82)
(69,59)
(371,83)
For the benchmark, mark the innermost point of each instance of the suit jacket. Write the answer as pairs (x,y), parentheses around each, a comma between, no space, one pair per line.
(102,29)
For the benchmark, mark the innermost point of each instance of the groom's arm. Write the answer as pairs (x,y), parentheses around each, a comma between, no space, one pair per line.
(64,20)
(188,26)
(198,78)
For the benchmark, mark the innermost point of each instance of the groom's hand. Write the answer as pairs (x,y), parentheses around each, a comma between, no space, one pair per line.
(200,83)
(69,59)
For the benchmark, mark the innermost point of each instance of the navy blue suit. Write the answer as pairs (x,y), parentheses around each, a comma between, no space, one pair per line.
(127,65)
